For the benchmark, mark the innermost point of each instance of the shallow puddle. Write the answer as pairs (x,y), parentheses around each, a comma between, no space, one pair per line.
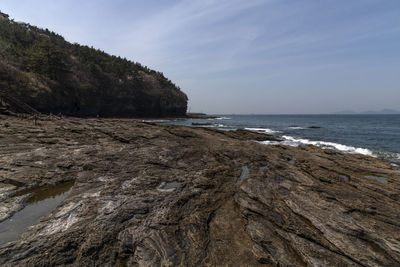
(264,168)
(43,201)
(345,178)
(382,180)
(169,187)
(172,185)
(244,175)
(47,191)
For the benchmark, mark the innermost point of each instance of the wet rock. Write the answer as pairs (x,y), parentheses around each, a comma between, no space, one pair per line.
(148,195)
(10,205)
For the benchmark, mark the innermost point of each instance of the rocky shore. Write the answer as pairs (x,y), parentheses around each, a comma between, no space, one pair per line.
(148,195)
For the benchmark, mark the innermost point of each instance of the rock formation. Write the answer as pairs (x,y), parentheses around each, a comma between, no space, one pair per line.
(150,195)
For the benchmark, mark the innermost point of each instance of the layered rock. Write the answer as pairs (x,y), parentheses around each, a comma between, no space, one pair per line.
(152,195)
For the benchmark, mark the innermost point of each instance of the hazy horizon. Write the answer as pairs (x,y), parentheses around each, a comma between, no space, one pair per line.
(245,57)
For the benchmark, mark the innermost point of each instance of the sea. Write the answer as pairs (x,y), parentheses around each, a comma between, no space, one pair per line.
(372,135)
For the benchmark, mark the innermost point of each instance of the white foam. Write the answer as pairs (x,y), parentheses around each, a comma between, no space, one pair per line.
(271,143)
(262,130)
(330,145)
(293,141)
(223,118)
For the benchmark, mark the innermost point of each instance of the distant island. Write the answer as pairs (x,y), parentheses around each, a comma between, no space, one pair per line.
(382,111)
(40,69)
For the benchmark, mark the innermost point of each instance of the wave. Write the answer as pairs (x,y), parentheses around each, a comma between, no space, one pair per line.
(222,118)
(215,125)
(156,121)
(296,128)
(262,130)
(330,145)
(391,156)
(293,141)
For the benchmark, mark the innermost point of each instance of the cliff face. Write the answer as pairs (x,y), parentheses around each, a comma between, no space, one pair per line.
(43,70)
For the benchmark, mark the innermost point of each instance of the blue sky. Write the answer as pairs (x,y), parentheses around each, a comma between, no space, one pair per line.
(255,56)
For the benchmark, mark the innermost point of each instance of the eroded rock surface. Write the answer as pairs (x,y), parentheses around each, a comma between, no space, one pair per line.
(149,195)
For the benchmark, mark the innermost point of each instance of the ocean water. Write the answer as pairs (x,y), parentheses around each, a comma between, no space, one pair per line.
(373,135)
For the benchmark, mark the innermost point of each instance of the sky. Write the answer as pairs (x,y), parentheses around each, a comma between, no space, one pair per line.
(245,57)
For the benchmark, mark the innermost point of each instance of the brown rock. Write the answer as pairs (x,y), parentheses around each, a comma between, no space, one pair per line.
(153,195)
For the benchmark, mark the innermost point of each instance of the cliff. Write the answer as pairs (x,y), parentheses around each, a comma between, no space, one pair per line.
(41,69)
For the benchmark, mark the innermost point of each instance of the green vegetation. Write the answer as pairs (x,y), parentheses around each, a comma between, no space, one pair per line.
(80,80)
